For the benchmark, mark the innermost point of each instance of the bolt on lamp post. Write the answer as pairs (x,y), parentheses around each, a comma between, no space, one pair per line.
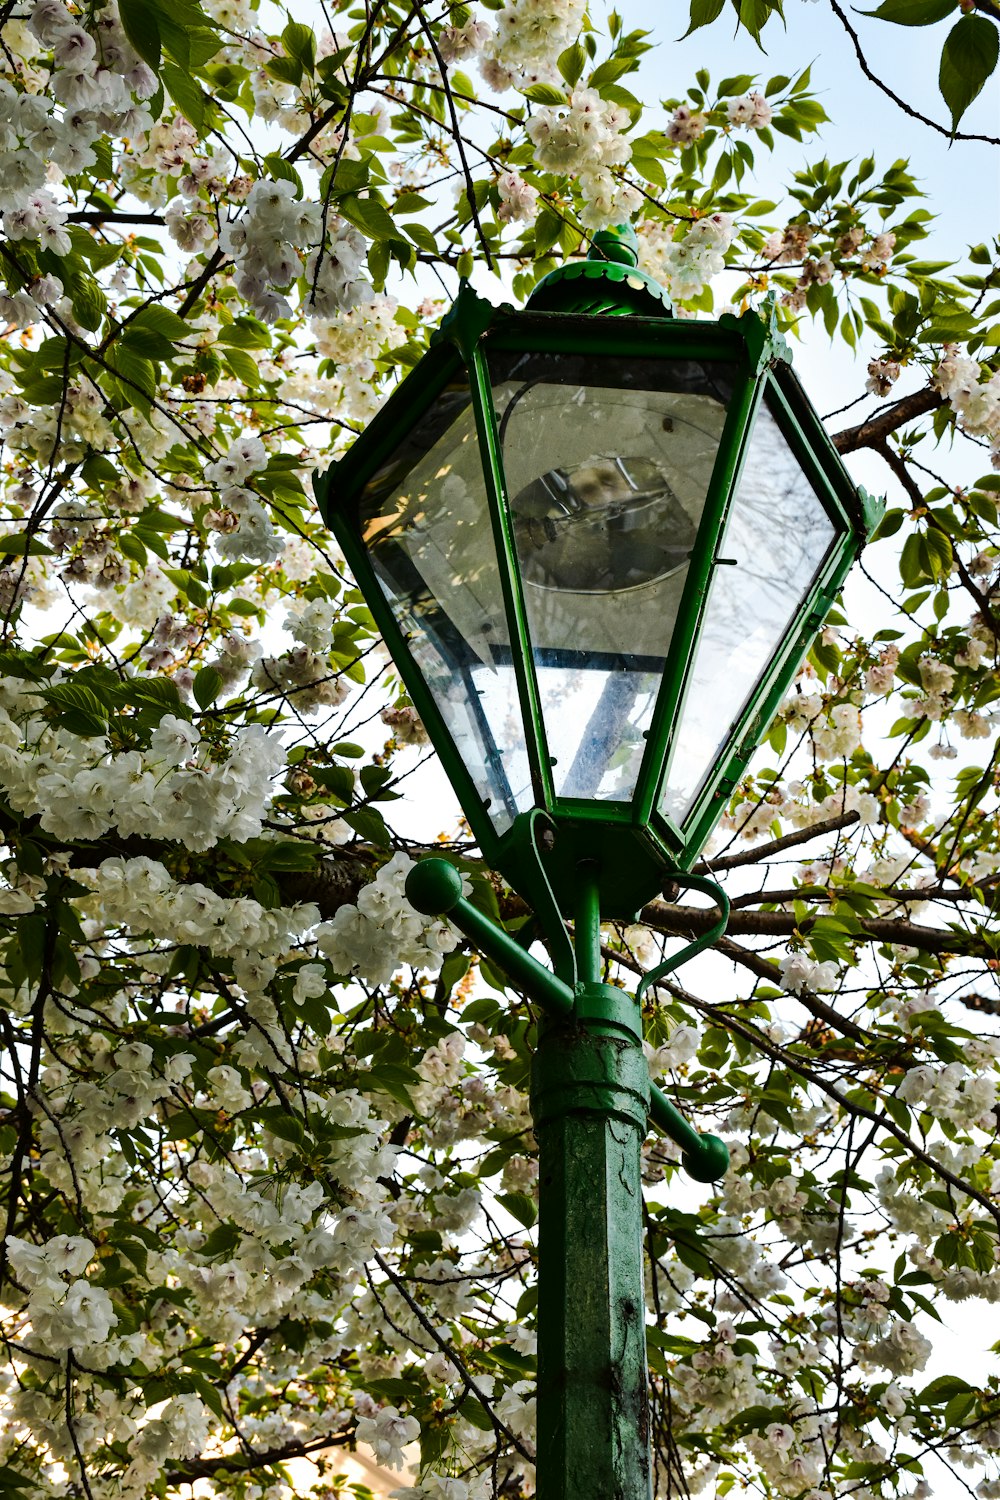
(597,541)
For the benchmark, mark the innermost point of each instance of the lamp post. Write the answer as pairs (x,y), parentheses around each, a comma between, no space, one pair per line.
(597,541)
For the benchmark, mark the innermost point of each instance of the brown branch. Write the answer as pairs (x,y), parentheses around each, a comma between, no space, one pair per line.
(241,1463)
(874,430)
(953,135)
(851,1106)
(500,1428)
(689,921)
(100,216)
(988,1005)
(765,968)
(824,894)
(456,129)
(776,846)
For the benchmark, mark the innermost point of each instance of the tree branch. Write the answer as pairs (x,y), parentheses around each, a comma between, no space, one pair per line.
(101,216)
(874,430)
(249,1462)
(690,921)
(776,846)
(953,135)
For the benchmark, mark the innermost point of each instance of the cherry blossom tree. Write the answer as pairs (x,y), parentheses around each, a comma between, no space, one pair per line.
(268,1179)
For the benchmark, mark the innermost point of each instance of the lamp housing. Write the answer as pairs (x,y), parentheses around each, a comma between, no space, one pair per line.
(598,541)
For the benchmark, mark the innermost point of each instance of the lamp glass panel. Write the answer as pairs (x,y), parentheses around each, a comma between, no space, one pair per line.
(607,464)
(425,522)
(778,536)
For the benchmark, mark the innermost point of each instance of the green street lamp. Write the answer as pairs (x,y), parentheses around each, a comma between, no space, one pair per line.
(597,540)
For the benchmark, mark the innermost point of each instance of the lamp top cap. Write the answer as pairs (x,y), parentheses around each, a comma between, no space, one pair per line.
(607,280)
(619,244)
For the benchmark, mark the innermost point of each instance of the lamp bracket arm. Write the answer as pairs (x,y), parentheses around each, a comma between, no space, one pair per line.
(434,887)
(709,888)
(703,1157)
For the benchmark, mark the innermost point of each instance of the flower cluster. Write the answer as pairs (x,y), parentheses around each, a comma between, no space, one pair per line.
(387,1434)
(528,37)
(244,528)
(685,260)
(64,1314)
(835,729)
(752,111)
(139,894)
(266,245)
(802,975)
(974,395)
(382,932)
(178,789)
(518,200)
(585,140)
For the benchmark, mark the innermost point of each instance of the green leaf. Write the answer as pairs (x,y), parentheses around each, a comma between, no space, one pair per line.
(300,43)
(544,93)
(337,780)
(188,35)
(369,824)
(754,14)
(207,685)
(548,227)
(140,25)
(967,60)
(571,64)
(285,70)
(940,552)
(350,176)
(80,709)
(393,1080)
(943,1389)
(98,471)
(162,321)
(738,84)
(245,333)
(611,70)
(703,12)
(89,302)
(147,342)
(186,92)
(11,1479)
(132,548)
(913,12)
(20,543)
(137,375)
(519,1206)
(287,854)
(243,366)
(370,216)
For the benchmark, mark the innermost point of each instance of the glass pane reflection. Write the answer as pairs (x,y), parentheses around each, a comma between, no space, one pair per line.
(607,464)
(778,536)
(424,516)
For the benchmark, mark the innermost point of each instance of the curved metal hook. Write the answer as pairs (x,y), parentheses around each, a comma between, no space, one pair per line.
(535,880)
(709,888)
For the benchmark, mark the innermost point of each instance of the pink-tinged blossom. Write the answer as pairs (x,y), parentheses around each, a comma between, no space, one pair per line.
(387,1434)
(882,376)
(518,200)
(751,111)
(686,125)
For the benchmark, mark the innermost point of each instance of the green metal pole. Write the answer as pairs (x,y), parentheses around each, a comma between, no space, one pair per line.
(590,1103)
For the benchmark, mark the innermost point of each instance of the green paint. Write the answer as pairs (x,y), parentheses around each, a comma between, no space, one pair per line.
(592,1101)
